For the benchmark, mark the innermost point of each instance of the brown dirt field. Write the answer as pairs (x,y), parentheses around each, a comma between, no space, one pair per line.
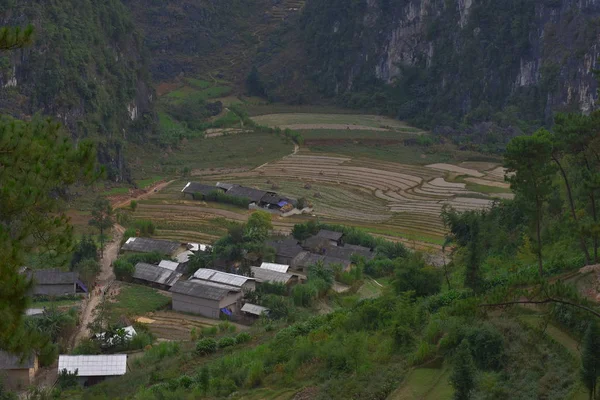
(455,168)
(478,165)
(166,87)
(335,142)
(486,182)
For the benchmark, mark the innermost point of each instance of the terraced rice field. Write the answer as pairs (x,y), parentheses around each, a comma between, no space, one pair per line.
(308,121)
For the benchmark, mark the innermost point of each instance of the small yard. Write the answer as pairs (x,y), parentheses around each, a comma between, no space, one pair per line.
(135,300)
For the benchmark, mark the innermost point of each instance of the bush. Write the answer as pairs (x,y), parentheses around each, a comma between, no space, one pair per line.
(123,270)
(87,346)
(133,205)
(140,341)
(145,227)
(226,342)
(243,337)
(210,331)
(67,380)
(206,346)
(226,326)
(487,346)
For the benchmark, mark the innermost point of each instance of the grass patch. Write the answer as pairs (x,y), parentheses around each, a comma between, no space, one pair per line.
(190,93)
(137,300)
(144,183)
(198,83)
(486,189)
(116,191)
(425,383)
(57,303)
(374,121)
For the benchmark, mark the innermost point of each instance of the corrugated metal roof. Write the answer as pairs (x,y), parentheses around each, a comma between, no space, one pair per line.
(225,185)
(146,245)
(267,275)
(168,265)
(156,274)
(12,361)
(275,267)
(206,274)
(201,290)
(185,256)
(254,309)
(215,284)
(105,365)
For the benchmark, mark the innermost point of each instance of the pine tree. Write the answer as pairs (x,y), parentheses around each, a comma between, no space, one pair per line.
(102,218)
(463,375)
(15,38)
(590,358)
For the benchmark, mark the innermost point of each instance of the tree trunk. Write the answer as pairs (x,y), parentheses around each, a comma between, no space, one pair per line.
(572,207)
(595,216)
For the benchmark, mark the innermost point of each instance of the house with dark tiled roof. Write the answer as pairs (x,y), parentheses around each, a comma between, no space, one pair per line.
(198,190)
(285,250)
(54,282)
(18,372)
(147,245)
(304,260)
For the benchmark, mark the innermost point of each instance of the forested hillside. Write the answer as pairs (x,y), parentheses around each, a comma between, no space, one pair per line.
(441,62)
(86,68)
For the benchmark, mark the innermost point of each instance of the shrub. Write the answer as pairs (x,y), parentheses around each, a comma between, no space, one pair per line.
(146,227)
(226,326)
(140,341)
(243,337)
(67,379)
(209,331)
(133,205)
(487,346)
(226,342)
(206,346)
(123,270)
(158,353)
(87,346)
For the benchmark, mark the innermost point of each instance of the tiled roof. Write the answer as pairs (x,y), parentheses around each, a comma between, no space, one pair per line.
(11,361)
(195,187)
(331,235)
(251,194)
(200,290)
(156,274)
(212,275)
(267,275)
(54,277)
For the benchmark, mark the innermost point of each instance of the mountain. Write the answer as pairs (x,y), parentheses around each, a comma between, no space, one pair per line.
(86,68)
(436,61)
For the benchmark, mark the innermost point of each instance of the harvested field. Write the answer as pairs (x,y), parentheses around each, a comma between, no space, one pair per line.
(300,127)
(497,174)
(486,182)
(176,326)
(457,169)
(330,121)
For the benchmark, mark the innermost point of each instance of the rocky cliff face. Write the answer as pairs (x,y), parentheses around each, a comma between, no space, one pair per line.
(85,68)
(452,56)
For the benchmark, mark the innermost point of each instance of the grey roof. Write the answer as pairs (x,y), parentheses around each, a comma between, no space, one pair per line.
(286,248)
(12,361)
(225,185)
(200,290)
(251,194)
(156,274)
(267,275)
(195,187)
(212,275)
(215,284)
(273,199)
(172,265)
(54,277)
(105,365)
(185,256)
(275,267)
(331,235)
(346,252)
(307,259)
(254,309)
(316,243)
(146,245)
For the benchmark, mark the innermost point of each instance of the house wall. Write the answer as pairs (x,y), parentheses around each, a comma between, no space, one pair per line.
(231,301)
(204,307)
(16,379)
(54,290)
(283,260)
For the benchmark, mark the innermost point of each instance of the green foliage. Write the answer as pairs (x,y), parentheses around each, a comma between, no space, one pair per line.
(206,346)
(15,38)
(226,341)
(243,337)
(219,196)
(146,228)
(413,275)
(85,249)
(87,346)
(133,205)
(102,218)
(149,258)
(590,358)
(67,380)
(87,269)
(463,374)
(38,165)
(123,270)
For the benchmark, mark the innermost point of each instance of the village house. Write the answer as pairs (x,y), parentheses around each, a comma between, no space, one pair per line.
(244,283)
(54,282)
(17,373)
(275,267)
(93,369)
(147,245)
(348,251)
(267,275)
(155,276)
(197,191)
(306,259)
(285,250)
(205,298)
(334,238)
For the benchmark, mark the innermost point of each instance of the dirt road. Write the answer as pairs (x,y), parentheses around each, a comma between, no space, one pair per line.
(149,192)
(105,278)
